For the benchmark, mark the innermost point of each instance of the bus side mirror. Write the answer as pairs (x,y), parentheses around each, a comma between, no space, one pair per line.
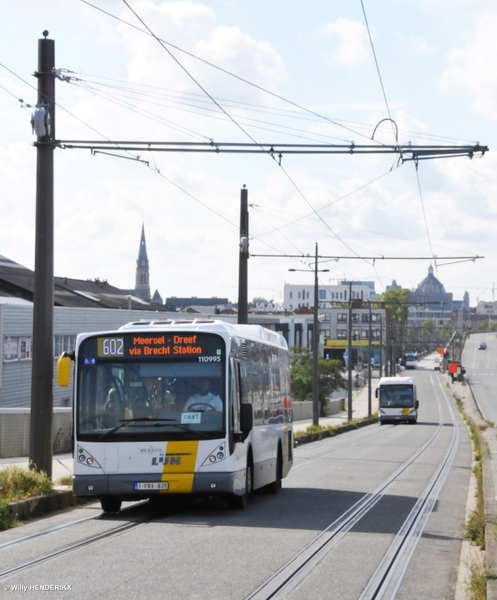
(64,370)
(376,393)
(246,420)
(417,404)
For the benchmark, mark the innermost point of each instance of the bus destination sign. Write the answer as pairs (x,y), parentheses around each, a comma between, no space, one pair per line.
(164,345)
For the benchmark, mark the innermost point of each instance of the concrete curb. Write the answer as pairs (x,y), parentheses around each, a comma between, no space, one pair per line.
(40,505)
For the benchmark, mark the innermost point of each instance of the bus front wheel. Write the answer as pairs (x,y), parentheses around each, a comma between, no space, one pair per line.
(240,502)
(110,504)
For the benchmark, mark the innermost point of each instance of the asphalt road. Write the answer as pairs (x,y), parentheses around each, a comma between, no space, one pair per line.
(205,550)
(481,370)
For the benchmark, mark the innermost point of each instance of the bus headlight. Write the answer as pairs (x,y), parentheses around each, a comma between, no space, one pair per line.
(216,456)
(84,457)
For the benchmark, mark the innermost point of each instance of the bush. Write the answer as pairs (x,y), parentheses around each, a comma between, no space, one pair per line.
(17,483)
(7,521)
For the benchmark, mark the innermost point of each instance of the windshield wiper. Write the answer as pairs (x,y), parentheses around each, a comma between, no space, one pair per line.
(124,422)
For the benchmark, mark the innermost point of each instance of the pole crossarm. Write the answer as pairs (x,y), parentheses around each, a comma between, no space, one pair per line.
(306,256)
(407,152)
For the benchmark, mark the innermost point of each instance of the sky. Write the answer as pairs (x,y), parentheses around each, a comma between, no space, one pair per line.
(258,72)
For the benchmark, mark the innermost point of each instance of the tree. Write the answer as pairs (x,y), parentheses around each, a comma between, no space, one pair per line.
(397,303)
(330,376)
(258,300)
(428,329)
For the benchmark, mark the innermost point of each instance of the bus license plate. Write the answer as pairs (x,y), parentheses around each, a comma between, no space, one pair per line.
(159,485)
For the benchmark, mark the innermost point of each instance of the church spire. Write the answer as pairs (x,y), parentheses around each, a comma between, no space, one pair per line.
(142,282)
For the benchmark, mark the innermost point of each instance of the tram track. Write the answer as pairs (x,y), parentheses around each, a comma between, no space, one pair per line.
(48,530)
(149,516)
(388,576)
(72,547)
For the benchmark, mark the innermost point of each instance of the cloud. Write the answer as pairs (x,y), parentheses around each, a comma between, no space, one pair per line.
(472,66)
(193,28)
(353,48)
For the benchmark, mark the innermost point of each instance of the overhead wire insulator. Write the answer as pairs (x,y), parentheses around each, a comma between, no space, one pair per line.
(244,245)
(40,121)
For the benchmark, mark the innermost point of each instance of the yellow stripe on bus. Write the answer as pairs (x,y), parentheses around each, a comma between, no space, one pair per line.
(179,466)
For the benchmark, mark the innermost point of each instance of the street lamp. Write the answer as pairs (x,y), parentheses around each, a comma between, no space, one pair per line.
(315,340)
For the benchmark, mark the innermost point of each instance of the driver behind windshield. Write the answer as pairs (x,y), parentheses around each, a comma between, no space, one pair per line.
(203,399)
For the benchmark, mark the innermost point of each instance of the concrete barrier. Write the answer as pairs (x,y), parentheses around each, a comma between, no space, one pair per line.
(15,426)
(302,411)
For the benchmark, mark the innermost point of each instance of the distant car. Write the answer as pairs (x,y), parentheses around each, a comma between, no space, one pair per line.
(482,346)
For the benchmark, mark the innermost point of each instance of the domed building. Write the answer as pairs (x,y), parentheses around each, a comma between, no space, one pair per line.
(431,293)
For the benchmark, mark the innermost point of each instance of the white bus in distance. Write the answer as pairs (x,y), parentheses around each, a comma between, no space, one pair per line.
(179,407)
(410,360)
(397,400)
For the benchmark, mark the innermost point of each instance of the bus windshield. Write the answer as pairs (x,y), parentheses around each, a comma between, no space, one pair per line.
(396,396)
(149,398)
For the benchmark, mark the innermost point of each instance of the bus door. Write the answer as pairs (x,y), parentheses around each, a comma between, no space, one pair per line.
(234,403)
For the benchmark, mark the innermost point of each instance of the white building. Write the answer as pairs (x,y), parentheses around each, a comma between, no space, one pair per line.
(486,308)
(416,316)
(295,296)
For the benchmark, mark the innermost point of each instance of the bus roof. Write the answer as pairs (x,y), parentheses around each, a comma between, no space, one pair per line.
(252,332)
(396,381)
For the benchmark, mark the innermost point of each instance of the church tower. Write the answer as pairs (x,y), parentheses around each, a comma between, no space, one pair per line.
(142,282)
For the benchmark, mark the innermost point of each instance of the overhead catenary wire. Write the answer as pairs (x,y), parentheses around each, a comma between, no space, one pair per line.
(424,211)
(247,121)
(131,155)
(378,69)
(269,153)
(190,98)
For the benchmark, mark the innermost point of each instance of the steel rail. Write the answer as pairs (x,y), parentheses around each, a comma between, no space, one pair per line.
(37,534)
(72,547)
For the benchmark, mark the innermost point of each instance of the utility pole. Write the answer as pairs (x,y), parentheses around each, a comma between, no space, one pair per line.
(40,447)
(315,347)
(244,255)
(315,341)
(370,367)
(349,358)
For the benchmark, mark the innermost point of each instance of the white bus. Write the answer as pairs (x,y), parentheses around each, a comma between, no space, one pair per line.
(397,400)
(410,360)
(179,407)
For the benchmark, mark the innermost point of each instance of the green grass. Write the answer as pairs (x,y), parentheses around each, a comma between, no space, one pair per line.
(477,584)
(65,480)
(475,527)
